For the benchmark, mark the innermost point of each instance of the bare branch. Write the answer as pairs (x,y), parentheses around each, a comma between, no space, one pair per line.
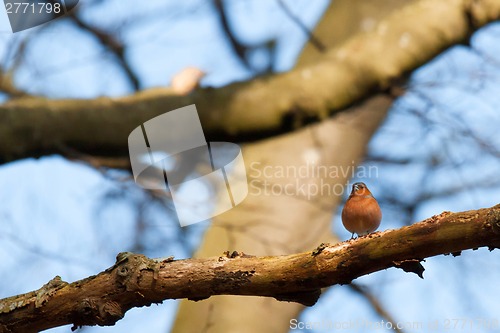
(238,48)
(112,44)
(136,280)
(312,38)
(376,305)
(256,109)
(8,87)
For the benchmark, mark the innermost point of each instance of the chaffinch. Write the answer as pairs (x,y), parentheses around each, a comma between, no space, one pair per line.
(361,214)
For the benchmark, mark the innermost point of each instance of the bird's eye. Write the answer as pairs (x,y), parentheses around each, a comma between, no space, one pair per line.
(358,186)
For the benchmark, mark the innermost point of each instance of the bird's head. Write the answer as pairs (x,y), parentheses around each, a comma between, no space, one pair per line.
(360,189)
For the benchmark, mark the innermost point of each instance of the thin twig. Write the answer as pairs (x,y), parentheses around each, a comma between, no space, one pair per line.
(238,48)
(376,305)
(312,38)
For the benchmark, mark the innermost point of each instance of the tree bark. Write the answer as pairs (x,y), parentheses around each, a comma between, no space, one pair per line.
(136,280)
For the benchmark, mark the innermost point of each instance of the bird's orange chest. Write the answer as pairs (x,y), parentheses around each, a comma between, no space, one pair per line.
(360,205)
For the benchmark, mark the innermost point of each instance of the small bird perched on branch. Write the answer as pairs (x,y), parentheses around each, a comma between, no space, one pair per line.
(361,214)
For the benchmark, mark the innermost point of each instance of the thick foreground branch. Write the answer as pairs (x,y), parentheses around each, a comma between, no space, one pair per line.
(136,280)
